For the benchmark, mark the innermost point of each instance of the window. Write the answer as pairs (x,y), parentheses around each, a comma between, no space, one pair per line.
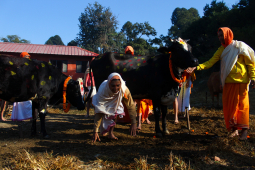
(81,66)
(64,66)
(60,64)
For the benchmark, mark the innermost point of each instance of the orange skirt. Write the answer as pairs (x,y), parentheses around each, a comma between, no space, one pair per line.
(143,107)
(235,102)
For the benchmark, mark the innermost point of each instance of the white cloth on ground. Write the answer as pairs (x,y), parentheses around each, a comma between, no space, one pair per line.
(22,111)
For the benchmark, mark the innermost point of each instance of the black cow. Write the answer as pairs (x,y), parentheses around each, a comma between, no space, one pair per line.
(23,79)
(148,77)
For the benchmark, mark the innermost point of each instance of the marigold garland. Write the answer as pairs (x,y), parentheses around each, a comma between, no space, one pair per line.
(172,73)
(66,109)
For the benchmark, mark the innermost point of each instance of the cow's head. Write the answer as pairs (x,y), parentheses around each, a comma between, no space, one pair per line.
(73,94)
(181,54)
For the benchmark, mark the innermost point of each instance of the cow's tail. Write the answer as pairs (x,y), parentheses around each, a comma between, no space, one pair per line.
(91,89)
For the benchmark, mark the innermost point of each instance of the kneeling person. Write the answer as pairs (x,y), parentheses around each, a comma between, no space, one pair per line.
(108,105)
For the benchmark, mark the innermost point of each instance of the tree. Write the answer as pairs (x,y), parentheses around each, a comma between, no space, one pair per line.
(73,43)
(181,20)
(54,40)
(117,41)
(134,33)
(14,39)
(241,4)
(137,30)
(214,8)
(97,28)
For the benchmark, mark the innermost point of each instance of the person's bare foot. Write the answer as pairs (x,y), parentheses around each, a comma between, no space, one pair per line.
(234,133)
(243,135)
(176,122)
(3,119)
(105,134)
(139,126)
(111,136)
(147,121)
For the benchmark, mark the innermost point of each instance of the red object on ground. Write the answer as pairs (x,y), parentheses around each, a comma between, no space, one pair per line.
(126,118)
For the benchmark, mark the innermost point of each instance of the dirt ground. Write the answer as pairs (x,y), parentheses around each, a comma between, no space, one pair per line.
(71,134)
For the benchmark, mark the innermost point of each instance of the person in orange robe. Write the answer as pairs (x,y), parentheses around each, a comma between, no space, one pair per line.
(144,109)
(129,50)
(237,71)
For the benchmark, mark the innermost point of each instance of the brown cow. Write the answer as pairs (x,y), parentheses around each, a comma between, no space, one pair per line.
(213,84)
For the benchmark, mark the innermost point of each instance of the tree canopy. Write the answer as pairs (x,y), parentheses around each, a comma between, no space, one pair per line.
(134,34)
(215,8)
(181,20)
(14,39)
(54,40)
(97,28)
(72,43)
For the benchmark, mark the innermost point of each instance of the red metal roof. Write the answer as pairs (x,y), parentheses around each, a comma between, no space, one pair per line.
(45,49)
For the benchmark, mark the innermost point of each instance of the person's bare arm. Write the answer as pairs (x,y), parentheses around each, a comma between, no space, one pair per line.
(131,110)
(191,69)
(97,122)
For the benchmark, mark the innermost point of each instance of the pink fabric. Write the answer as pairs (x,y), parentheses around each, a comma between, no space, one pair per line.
(88,80)
(110,119)
(109,126)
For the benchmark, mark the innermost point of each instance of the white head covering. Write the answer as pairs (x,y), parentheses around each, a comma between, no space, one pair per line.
(107,102)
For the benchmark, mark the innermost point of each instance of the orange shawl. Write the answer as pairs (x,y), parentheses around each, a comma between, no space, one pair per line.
(228,35)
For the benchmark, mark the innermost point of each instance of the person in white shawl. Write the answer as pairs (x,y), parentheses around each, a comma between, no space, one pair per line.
(108,105)
(237,71)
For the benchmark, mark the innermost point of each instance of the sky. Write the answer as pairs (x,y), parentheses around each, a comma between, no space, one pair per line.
(38,20)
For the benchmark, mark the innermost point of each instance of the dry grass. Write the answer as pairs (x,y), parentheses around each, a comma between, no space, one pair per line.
(45,161)
(175,163)
(48,161)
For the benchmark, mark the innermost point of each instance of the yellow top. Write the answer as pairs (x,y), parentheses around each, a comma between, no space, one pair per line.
(241,72)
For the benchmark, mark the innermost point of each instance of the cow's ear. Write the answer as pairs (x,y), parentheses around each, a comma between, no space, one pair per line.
(186,40)
(163,50)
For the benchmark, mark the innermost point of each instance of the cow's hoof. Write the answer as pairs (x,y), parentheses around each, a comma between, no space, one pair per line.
(167,132)
(159,135)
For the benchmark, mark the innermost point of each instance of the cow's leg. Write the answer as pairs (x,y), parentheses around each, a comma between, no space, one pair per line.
(156,109)
(218,100)
(34,117)
(164,112)
(42,121)
(213,100)
(42,113)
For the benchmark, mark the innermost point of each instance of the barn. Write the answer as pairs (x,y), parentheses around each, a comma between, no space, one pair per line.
(71,60)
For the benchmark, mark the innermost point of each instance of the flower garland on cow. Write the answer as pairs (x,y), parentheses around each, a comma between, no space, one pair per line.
(66,108)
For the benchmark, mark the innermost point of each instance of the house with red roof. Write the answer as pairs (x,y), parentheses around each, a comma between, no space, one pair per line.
(71,60)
